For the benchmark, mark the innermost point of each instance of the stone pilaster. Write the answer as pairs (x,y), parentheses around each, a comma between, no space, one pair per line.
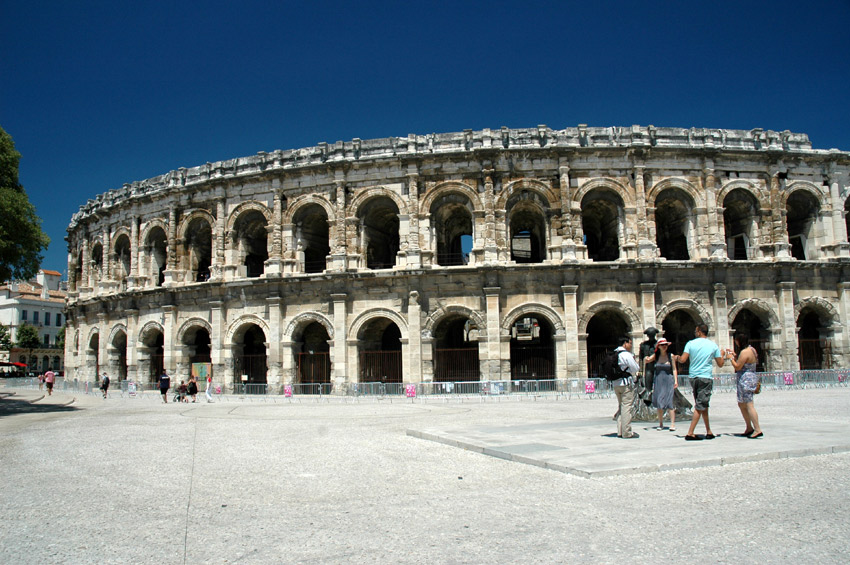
(491,251)
(132,354)
(715,237)
(647,303)
(414,252)
(568,244)
(169,330)
(217,333)
(721,316)
(170,272)
(785,297)
(413,373)
(338,351)
(839,224)
(573,357)
(217,267)
(274,264)
(492,369)
(274,304)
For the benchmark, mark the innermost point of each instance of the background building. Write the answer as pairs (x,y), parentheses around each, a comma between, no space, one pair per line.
(479,255)
(41,304)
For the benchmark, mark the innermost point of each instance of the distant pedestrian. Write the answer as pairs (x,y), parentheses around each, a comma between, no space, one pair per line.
(41,381)
(104,384)
(665,381)
(745,362)
(164,385)
(193,388)
(701,351)
(208,391)
(624,387)
(49,378)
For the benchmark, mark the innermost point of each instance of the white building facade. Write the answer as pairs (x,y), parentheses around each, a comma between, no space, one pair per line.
(508,254)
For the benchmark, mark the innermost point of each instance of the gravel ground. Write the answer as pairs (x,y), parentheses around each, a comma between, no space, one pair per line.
(137,481)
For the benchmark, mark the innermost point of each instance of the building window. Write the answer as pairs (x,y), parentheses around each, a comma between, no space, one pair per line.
(47,318)
(23,315)
(58,320)
(46,339)
(35,317)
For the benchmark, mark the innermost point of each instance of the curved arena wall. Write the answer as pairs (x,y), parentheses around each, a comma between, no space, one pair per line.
(492,255)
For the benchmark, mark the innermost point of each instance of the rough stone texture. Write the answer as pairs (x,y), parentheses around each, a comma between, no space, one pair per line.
(640,225)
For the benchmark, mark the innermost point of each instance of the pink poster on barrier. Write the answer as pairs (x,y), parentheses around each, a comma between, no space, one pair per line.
(287,391)
(410,391)
(789,378)
(589,387)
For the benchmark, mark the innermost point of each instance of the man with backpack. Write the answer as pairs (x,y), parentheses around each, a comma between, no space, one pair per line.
(621,370)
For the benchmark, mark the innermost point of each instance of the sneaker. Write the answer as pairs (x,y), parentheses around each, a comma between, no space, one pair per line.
(672,429)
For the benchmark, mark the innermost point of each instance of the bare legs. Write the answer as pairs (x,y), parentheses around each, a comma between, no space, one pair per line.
(751,417)
(695,419)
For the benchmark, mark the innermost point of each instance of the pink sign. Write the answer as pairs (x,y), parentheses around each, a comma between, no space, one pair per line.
(287,391)
(789,379)
(589,387)
(410,391)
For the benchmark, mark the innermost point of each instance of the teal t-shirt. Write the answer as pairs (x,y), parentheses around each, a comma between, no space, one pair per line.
(702,352)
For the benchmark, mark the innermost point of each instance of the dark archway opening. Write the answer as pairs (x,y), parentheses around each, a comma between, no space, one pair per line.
(600,221)
(313,359)
(456,351)
(251,362)
(532,349)
(672,220)
(603,330)
(749,322)
(678,328)
(802,210)
(814,349)
(380,352)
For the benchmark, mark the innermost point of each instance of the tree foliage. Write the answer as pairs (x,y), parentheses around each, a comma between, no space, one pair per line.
(21,238)
(27,337)
(60,337)
(5,338)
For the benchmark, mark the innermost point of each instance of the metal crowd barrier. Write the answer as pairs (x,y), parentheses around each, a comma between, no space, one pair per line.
(570,388)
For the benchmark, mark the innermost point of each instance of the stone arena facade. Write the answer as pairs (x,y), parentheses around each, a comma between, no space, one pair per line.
(506,254)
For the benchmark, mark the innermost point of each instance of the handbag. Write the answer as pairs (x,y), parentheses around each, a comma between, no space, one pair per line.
(758,387)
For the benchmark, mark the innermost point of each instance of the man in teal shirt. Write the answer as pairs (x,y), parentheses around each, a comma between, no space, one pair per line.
(701,351)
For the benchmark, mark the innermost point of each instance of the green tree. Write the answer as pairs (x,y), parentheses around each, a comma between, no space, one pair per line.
(60,337)
(21,238)
(5,338)
(27,338)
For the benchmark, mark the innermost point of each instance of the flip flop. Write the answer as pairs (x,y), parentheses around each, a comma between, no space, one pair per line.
(746,433)
(692,438)
(710,436)
(758,435)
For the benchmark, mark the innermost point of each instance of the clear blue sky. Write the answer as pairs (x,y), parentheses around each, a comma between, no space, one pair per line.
(96,94)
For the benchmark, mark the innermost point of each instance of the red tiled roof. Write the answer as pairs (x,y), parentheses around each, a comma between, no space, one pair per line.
(46,272)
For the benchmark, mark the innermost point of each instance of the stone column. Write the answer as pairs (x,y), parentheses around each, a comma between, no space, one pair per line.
(785,297)
(275,320)
(782,246)
(716,248)
(721,316)
(646,246)
(647,299)
(839,226)
(217,266)
(217,333)
(169,329)
(133,373)
(491,250)
(414,252)
(85,257)
(573,357)
(339,249)
(842,349)
(102,344)
(492,369)
(340,373)
(274,264)
(568,244)
(133,281)
(414,339)
(170,272)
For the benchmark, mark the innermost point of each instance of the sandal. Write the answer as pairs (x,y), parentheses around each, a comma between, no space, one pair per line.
(710,436)
(692,438)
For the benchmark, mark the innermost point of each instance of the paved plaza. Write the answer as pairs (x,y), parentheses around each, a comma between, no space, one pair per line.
(430,480)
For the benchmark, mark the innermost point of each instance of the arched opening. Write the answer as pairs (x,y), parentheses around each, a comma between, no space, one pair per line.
(312,237)
(802,210)
(198,244)
(379,345)
(92,360)
(600,220)
(45,363)
(313,359)
(122,259)
(847,218)
(603,330)
(251,242)
(749,322)
(96,273)
(678,328)
(78,273)
(532,349)
(814,345)
(156,250)
(452,220)
(456,350)
(379,226)
(528,234)
(56,363)
(673,224)
(740,210)
(250,360)
(152,355)
(119,356)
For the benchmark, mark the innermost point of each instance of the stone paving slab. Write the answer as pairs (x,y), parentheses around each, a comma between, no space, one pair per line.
(589,448)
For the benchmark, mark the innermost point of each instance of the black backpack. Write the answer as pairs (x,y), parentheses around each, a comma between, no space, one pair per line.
(610,367)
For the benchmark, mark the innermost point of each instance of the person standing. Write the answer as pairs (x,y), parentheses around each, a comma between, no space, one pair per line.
(40,381)
(666,380)
(208,391)
(701,351)
(49,378)
(104,384)
(164,385)
(648,349)
(193,388)
(624,387)
(745,362)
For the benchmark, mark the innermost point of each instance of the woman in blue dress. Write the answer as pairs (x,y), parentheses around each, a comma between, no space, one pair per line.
(665,382)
